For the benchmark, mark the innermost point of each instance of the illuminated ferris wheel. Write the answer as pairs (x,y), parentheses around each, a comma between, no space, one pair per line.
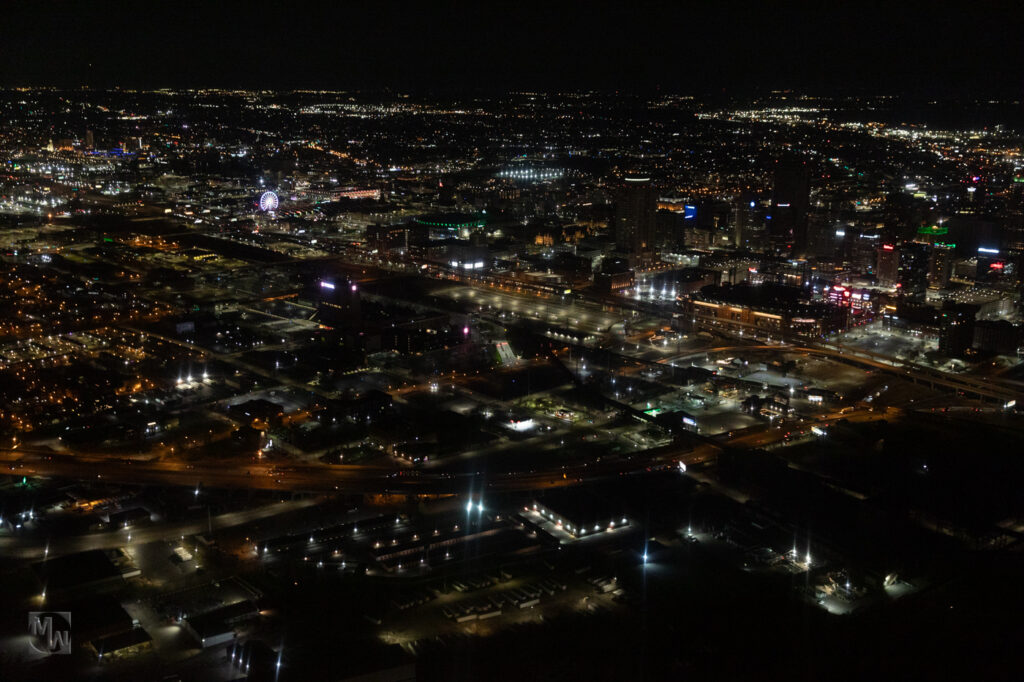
(269,201)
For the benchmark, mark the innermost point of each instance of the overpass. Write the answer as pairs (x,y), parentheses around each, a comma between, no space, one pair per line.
(999,391)
(984,389)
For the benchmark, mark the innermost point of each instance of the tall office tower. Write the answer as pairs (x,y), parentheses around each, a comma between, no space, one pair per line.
(914,262)
(634,222)
(887,267)
(940,266)
(791,195)
(671,229)
(90,140)
(744,216)
(956,329)
(820,235)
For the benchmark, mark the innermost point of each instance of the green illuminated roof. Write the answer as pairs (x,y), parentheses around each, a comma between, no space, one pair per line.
(933,230)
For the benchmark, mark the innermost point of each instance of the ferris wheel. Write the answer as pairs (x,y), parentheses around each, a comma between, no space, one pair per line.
(269,201)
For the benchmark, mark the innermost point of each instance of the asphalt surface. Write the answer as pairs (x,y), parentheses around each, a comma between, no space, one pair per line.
(388,478)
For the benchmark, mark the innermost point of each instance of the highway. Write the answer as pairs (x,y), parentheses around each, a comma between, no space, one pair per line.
(987,388)
(370,479)
(995,389)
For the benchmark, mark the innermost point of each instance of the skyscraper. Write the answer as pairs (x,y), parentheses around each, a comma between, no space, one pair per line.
(956,329)
(914,268)
(791,193)
(743,218)
(940,265)
(634,222)
(887,267)
(906,266)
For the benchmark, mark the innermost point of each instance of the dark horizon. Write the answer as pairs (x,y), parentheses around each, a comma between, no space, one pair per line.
(732,50)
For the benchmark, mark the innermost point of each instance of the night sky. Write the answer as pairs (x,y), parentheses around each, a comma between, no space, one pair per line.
(929,49)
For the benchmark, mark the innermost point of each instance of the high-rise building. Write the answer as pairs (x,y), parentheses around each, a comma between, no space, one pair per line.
(90,140)
(932,234)
(940,265)
(671,228)
(716,218)
(956,330)
(887,267)
(791,195)
(634,222)
(914,268)
(744,217)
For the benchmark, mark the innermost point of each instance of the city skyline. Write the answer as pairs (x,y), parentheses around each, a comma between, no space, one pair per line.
(409,342)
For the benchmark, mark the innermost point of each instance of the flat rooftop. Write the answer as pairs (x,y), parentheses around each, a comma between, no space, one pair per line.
(76,570)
